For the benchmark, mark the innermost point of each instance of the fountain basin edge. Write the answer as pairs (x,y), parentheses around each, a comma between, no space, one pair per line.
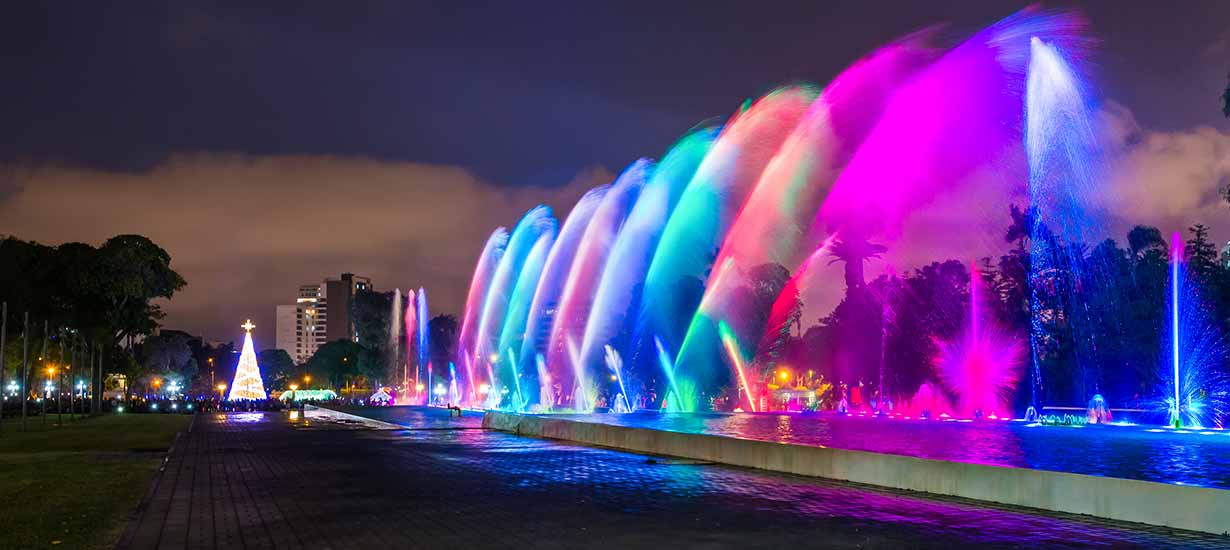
(1179,506)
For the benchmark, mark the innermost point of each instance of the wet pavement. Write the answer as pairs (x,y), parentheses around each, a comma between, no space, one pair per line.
(264,480)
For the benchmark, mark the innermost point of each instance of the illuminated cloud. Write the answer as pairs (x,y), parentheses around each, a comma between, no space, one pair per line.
(1167,179)
(245,231)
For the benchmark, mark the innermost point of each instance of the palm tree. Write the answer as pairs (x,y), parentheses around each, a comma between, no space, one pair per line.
(1144,239)
(854,253)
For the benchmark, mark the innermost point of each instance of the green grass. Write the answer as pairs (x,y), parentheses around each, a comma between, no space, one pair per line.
(75,486)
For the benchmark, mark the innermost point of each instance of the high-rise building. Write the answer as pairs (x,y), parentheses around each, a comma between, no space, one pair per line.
(306,325)
(339,295)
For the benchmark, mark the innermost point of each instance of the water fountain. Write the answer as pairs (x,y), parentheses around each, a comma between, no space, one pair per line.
(658,271)
(512,335)
(576,300)
(500,297)
(616,364)
(423,340)
(410,320)
(454,394)
(393,345)
(982,367)
(545,303)
(1197,388)
(609,321)
(467,339)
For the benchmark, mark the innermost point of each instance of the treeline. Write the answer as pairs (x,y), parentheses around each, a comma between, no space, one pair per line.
(1094,319)
(82,302)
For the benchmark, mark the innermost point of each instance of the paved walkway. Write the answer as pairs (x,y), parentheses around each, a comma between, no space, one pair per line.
(265,481)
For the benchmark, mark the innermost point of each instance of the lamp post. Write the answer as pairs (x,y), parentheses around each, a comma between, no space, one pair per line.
(60,384)
(47,387)
(72,396)
(4,329)
(43,357)
(221,392)
(25,348)
(59,388)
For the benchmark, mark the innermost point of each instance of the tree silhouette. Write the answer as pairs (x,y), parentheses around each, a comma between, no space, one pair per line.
(854,253)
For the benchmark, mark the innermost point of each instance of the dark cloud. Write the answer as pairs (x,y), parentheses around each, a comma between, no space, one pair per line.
(269,144)
(12,181)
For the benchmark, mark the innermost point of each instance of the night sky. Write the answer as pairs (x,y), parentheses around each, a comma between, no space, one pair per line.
(266,147)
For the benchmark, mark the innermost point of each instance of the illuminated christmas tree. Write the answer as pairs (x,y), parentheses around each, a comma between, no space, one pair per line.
(247,383)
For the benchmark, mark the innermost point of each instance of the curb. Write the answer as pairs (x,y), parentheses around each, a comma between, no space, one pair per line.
(134,519)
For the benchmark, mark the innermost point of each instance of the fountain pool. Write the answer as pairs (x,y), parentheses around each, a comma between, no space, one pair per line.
(1149,453)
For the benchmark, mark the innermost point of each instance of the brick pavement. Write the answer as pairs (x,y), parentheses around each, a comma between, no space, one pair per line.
(261,480)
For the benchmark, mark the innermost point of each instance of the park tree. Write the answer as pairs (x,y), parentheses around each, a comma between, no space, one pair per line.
(857,320)
(853,253)
(103,297)
(278,369)
(371,313)
(167,356)
(1201,257)
(337,363)
(129,272)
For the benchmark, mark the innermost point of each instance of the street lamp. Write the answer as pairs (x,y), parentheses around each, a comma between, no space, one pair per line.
(222,392)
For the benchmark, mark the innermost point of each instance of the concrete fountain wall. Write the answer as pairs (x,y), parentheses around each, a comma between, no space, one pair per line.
(1184,507)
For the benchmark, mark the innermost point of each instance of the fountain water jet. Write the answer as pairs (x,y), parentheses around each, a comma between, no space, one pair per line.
(736,357)
(512,334)
(981,367)
(419,302)
(1197,393)
(393,344)
(576,301)
(480,283)
(615,364)
(618,291)
(552,279)
(712,199)
(774,223)
(500,296)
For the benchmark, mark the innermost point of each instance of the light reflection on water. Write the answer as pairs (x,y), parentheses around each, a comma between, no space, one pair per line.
(1116,451)
(242,418)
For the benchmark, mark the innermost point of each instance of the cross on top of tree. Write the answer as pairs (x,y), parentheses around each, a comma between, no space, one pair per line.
(247,325)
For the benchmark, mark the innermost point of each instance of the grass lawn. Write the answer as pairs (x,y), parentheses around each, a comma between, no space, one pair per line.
(74,486)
